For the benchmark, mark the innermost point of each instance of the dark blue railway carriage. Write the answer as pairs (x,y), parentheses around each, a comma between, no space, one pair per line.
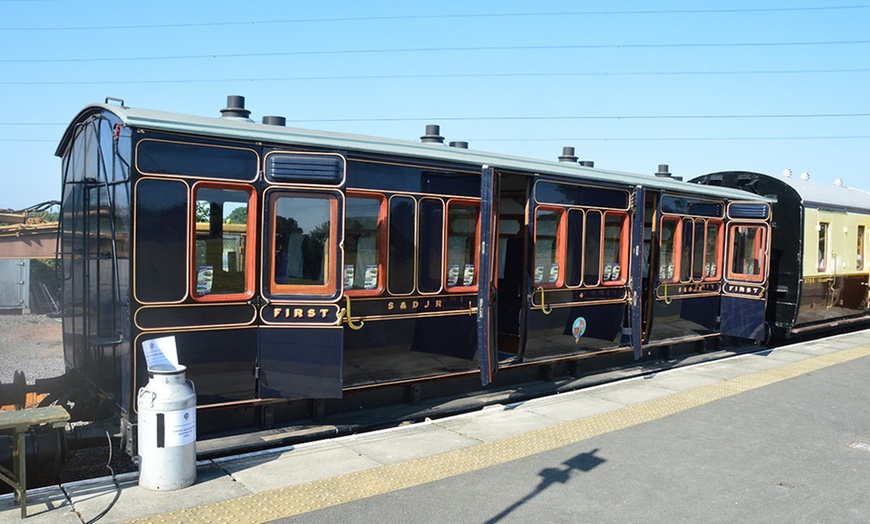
(819,250)
(306,273)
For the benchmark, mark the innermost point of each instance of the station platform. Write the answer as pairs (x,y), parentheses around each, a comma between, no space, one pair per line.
(778,435)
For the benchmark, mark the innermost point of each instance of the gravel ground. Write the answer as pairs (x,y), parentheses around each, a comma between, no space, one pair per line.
(32,344)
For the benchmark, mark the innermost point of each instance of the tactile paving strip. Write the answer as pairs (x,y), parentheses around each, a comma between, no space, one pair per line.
(304,498)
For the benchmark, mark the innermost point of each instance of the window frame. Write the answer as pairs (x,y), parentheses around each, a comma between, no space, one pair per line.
(382,239)
(624,248)
(823,242)
(330,288)
(446,247)
(250,242)
(720,245)
(559,257)
(677,241)
(760,246)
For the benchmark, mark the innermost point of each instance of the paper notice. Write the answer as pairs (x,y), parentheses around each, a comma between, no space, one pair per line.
(160,352)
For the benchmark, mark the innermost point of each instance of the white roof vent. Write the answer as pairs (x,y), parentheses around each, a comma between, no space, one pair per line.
(786,173)
(838,182)
(805,175)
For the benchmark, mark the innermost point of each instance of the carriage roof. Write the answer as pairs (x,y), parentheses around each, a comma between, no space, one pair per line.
(244,129)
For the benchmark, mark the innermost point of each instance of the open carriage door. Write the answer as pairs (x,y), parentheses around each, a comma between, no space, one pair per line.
(301,334)
(635,281)
(487,349)
(746,270)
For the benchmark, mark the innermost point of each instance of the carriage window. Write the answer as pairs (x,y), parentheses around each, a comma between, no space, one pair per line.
(698,251)
(686,250)
(747,253)
(222,251)
(431,250)
(574,257)
(668,249)
(615,230)
(547,253)
(822,261)
(400,278)
(592,249)
(304,244)
(713,251)
(462,245)
(859,263)
(363,271)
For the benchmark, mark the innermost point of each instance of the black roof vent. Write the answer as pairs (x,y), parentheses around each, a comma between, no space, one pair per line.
(567,155)
(432,135)
(460,144)
(587,163)
(236,108)
(275,120)
(663,171)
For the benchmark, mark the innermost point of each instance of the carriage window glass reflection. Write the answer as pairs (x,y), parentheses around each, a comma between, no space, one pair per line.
(614,232)
(698,250)
(547,266)
(362,244)
(822,260)
(400,278)
(686,250)
(747,252)
(592,249)
(712,252)
(221,250)
(668,247)
(302,240)
(431,252)
(462,245)
(859,262)
(574,255)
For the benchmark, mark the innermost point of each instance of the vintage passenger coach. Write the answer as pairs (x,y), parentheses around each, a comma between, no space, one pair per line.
(304,274)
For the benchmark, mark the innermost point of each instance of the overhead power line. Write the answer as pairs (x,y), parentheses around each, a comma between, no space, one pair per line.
(534,117)
(612,139)
(324,52)
(442,17)
(434,76)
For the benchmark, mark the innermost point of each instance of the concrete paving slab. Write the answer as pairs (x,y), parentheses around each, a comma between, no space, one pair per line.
(267,470)
(44,506)
(212,485)
(408,443)
(632,392)
(494,424)
(572,406)
(786,355)
(682,379)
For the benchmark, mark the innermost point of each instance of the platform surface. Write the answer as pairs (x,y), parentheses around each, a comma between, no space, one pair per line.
(776,436)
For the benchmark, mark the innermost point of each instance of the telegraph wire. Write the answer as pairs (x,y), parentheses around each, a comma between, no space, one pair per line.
(436,76)
(533,117)
(442,17)
(387,50)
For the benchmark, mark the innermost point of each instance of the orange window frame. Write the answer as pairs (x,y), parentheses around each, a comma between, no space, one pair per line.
(561,226)
(329,287)
(677,241)
(624,248)
(382,239)
(758,246)
(446,250)
(250,244)
(720,244)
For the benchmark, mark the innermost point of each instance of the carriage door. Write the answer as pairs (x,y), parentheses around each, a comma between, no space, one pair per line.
(300,335)
(487,349)
(743,294)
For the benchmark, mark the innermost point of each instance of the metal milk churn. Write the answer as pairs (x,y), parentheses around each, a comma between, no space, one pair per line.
(167,429)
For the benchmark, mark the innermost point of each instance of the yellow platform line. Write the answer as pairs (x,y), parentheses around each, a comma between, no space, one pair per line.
(324,493)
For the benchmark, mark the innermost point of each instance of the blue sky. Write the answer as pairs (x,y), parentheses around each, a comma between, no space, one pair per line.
(701,86)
